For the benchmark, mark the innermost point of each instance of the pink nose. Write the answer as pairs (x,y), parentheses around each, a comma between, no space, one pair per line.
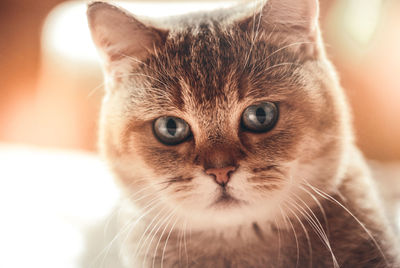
(221,175)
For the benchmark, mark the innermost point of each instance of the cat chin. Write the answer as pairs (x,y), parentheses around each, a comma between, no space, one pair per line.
(230,214)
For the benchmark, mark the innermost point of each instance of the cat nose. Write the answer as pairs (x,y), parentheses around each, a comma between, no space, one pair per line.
(221,175)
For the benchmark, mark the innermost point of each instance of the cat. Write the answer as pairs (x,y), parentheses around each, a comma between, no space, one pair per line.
(231,137)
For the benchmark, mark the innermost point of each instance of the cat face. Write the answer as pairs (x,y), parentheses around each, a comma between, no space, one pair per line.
(221,120)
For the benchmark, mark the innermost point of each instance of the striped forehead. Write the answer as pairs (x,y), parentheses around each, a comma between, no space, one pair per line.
(208,68)
(194,69)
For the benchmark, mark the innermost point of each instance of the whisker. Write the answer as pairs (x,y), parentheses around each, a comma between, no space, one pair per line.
(185,243)
(126,200)
(153,232)
(264,62)
(105,251)
(333,200)
(160,238)
(129,199)
(282,64)
(279,242)
(95,89)
(287,46)
(305,232)
(153,236)
(149,208)
(166,243)
(295,237)
(125,228)
(320,207)
(312,213)
(156,217)
(317,227)
(179,241)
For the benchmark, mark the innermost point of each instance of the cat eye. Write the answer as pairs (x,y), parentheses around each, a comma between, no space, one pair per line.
(171,130)
(261,117)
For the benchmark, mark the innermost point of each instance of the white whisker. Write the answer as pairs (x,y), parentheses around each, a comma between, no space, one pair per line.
(166,243)
(317,227)
(149,225)
(333,200)
(160,238)
(153,236)
(124,229)
(295,237)
(285,47)
(320,207)
(279,242)
(185,243)
(149,208)
(153,232)
(305,232)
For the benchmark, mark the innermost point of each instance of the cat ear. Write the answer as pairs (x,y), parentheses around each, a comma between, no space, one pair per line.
(301,15)
(294,22)
(118,34)
(297,17)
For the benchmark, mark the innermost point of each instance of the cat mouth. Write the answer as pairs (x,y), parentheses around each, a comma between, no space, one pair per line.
(226,199)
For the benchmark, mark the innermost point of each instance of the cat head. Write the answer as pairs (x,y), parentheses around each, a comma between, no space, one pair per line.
(220,117)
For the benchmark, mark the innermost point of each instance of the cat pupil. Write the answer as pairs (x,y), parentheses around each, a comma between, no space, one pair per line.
(171,127)
(261,115)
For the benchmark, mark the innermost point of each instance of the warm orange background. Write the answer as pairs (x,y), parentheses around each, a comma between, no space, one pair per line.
(49,103)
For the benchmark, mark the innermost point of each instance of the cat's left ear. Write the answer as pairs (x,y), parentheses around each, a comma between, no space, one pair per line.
(297,20)
(118,34)
(300,15)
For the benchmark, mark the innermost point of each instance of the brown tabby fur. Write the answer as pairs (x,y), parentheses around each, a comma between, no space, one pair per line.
(206,69)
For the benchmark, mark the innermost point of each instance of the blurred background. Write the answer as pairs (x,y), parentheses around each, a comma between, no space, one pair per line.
(56,195)
(51,83)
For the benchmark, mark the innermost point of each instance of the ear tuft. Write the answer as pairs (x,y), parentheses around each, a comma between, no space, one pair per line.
(118,34)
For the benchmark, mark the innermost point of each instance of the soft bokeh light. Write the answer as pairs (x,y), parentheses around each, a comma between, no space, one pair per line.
(361,19)
(66,32)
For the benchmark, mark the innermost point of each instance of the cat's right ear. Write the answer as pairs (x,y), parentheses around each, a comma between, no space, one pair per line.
(117,34)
